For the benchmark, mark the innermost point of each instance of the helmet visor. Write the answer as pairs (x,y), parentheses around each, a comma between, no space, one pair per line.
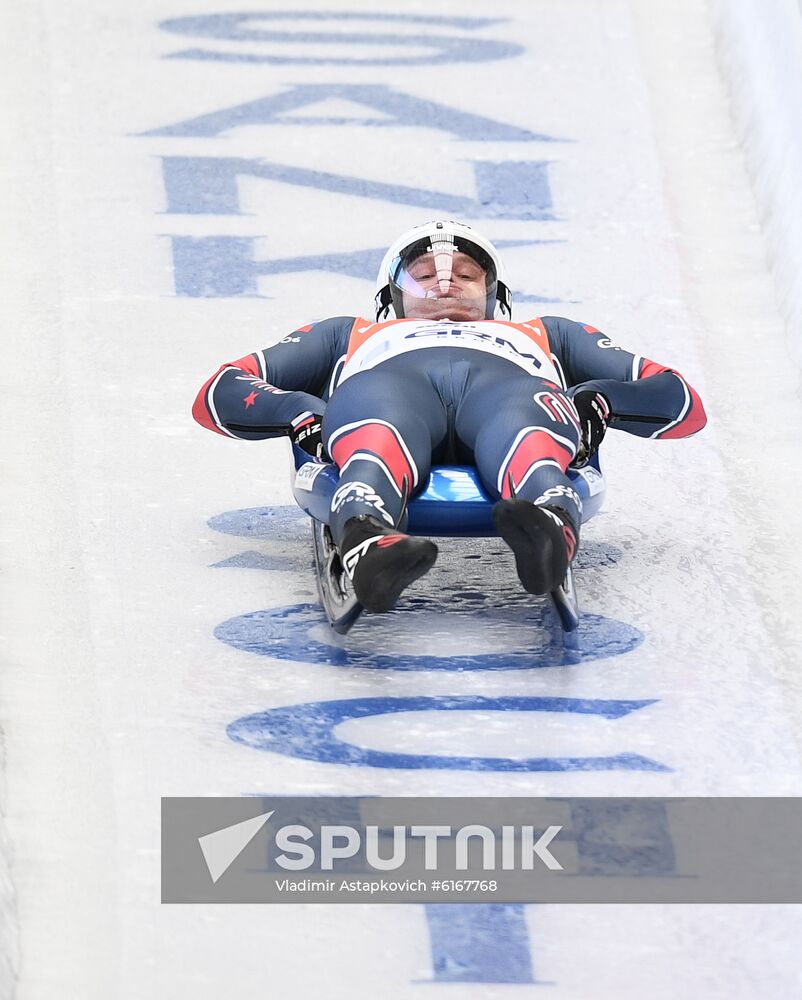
(443,278)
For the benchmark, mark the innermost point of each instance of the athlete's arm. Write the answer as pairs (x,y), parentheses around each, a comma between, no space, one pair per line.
(265,394)
(646,398)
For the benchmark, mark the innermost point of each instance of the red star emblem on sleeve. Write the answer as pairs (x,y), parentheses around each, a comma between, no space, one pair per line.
(249,400)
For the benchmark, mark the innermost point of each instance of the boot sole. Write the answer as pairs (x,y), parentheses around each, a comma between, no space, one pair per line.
(410,564)
(530,534)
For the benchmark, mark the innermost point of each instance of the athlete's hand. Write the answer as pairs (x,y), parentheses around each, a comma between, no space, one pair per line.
(305,431)
(594,417)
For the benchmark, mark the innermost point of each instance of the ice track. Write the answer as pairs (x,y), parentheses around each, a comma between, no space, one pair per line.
(166,209)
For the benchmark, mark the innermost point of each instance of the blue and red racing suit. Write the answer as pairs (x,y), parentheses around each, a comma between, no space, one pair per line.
(399,395)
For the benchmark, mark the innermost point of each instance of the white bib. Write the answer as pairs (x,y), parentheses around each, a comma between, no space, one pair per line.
(525,344)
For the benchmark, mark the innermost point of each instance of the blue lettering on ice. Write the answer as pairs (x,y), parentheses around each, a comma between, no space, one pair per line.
(626,838)
(226,266)
(288,524)
(396,108)
(207,185)
(258,560)
(307,732)
(442,49)
(479,943)
(280,522)
(519,297)
(287,634)
(490,943)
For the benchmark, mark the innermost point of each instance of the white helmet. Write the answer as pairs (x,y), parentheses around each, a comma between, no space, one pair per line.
(442,239)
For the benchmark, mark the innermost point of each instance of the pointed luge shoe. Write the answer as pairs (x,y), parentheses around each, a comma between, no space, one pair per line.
(382,562)
(543,541)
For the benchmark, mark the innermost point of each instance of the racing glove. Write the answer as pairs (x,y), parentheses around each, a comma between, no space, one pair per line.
(306,431)
(594,413)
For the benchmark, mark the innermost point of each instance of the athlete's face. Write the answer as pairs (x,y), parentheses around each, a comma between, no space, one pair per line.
(456,292)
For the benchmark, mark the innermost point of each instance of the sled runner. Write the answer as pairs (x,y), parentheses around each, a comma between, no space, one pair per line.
(453,503)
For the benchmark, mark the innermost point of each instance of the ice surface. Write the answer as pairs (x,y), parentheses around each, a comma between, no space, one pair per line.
(124,547)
